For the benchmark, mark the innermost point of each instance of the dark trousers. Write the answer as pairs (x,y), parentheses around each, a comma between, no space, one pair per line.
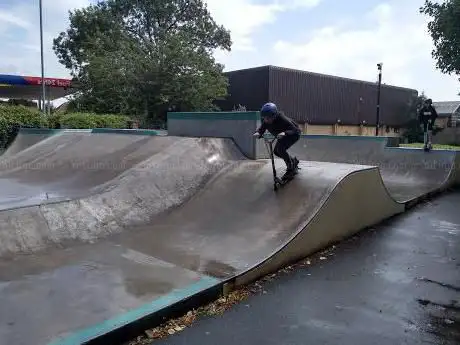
(283,145)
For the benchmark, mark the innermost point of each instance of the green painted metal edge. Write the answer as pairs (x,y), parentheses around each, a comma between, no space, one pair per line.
(39,131)
(175,296)
(52,130)
(76,130)
(126,131)
(90,130)
(228,116)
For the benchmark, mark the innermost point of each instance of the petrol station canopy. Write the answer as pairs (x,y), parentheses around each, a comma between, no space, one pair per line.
(30,88)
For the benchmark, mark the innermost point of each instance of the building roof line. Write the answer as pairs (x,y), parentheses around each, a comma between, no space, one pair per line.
(269,67)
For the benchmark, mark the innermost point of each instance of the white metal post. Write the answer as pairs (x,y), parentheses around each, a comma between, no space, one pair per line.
(42,58)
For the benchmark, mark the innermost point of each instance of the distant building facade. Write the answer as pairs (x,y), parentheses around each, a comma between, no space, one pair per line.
(449,121)
(448,113)
(321,104)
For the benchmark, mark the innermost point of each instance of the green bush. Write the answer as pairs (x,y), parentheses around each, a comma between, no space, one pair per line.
(414,132)
(89,120)
(22,116)
(4,129)
(14,117)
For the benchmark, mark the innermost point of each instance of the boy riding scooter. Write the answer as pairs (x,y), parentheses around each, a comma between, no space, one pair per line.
(285,129)
(427,116)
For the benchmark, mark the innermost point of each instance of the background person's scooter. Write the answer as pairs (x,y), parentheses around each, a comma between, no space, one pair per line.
(427,139)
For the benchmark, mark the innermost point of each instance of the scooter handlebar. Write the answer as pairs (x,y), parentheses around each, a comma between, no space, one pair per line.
(267,138)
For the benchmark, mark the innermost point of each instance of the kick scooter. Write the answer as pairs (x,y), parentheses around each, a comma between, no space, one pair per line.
(277,182)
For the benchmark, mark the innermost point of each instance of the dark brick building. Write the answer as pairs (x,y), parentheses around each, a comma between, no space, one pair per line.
(317,99)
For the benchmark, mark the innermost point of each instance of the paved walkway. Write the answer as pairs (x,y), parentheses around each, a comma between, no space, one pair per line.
(399,284)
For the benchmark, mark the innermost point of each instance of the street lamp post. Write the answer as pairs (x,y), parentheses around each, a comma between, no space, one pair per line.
(42,58)
(377,121)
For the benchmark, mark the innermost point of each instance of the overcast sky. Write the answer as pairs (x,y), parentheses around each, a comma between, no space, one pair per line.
(344,38)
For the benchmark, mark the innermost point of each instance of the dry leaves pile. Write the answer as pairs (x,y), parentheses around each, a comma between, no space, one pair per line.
(171,327)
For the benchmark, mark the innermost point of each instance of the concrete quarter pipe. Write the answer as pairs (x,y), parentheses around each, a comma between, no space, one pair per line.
(25,139)
(187,217)
(407,173)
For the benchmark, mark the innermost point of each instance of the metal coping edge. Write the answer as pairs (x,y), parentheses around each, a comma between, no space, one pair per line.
(147,132)
(119,329)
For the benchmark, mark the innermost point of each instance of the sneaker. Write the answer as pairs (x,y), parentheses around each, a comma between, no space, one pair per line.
(290,171)
(287,174)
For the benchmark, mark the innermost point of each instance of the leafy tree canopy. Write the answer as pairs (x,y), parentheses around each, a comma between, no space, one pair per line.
(143,57)
(444,28)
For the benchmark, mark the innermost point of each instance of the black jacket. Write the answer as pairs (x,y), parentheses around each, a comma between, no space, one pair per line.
(282,123)
(427,113)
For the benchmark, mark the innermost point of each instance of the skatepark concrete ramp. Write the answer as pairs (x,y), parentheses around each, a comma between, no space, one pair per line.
(69,164)
(358,200)
(26,138)
(408,174)
(239,227)
(98,184)
(186,217)
(230,232)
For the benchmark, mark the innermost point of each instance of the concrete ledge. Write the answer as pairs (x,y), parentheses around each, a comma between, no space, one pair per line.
(343,146)
(226,116)
(241,125)
(238,126)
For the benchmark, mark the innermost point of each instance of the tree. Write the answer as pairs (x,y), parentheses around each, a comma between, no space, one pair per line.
(412,130)
(444,29)
(143,57)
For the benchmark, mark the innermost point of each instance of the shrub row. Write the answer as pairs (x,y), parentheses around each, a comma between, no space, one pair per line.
(87,120)
(14,117)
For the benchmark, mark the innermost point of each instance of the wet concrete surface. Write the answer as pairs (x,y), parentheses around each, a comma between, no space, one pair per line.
(227,227)
(407,173)
(237,221)
(23,141)
(176,169)
(19,195)
(396,284)
(70,165)
(60,292)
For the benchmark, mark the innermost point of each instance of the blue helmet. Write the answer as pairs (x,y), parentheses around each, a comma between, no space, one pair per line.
(269,110)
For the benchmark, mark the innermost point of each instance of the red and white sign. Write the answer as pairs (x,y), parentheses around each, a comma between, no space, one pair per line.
(53,82)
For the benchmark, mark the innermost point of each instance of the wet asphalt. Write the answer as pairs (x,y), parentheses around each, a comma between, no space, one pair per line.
(396,284)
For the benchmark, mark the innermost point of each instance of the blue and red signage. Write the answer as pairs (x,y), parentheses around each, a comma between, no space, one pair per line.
(33,81)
